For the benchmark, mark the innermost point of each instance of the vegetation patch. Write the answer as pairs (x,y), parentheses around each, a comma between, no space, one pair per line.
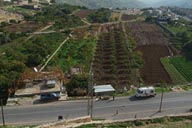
(20,10)
(75,53)
(164,122)
(184,66)
(182,34)
(173,72)
(100,16)
(60,15)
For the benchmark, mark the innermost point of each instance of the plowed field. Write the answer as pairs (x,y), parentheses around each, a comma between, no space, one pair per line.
(152,70)
(84,12)
(128,17)
(153,45)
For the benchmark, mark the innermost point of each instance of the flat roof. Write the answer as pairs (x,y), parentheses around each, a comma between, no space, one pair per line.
(145,88)
(51,82)
(103,88)
(37,89)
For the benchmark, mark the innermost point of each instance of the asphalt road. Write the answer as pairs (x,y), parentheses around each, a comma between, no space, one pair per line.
(120,108)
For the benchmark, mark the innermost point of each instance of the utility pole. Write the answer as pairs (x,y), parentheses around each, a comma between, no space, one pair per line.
(88,103)
(161,102)
(90,95)
(2,112)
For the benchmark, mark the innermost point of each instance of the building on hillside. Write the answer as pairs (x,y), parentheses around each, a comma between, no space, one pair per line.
(37,83)
(7,0)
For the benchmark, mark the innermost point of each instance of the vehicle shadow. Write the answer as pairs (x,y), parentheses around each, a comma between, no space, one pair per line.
(38,101)
(133,98)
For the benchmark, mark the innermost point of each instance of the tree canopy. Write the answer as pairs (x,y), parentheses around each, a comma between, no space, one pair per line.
(187,50)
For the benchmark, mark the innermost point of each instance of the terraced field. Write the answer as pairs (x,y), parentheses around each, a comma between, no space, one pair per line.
(111,64)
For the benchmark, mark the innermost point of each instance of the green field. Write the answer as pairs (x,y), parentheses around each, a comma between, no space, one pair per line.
(183,66)
(173,72)
(182,34)
(179,68)
(175,29)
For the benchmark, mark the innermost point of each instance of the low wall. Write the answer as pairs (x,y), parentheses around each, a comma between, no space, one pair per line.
(73,123)
(66,123)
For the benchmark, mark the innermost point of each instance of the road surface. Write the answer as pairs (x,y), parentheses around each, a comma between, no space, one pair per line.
(120,108)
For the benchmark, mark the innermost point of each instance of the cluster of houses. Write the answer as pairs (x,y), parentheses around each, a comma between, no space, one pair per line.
(164,14)
(26,2)
(6,16)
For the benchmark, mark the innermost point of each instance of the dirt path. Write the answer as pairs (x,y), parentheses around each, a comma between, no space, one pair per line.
(53,54)
(42,29)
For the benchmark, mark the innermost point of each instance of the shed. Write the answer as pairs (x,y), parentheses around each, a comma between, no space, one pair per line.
(103,89)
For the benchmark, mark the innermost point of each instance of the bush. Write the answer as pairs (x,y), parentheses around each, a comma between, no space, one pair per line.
(159,120)
(78,85)
(176,119)
(187,50)
(139,123)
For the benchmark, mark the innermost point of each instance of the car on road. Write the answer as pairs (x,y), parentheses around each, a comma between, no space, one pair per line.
(50,96)
(145,92)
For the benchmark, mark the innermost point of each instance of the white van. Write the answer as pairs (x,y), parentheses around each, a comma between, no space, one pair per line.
(145,92)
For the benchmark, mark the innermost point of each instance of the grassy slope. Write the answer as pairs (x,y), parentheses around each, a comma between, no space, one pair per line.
(176,29)
(183,66)
(75,53)
(174,74)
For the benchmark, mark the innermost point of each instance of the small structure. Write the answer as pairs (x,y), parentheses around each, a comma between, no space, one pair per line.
(102,90)
(75,71)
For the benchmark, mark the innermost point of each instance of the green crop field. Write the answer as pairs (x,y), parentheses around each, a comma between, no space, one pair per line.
(173,72)
(183,66)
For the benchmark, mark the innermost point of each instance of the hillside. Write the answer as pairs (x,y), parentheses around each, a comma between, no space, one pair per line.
(105,3)
(179,3)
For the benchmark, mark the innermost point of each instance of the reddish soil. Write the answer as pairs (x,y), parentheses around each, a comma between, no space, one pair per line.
(126,17)
(152,70)
(153,45)
(22,27)
(147,34)
(84,13)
